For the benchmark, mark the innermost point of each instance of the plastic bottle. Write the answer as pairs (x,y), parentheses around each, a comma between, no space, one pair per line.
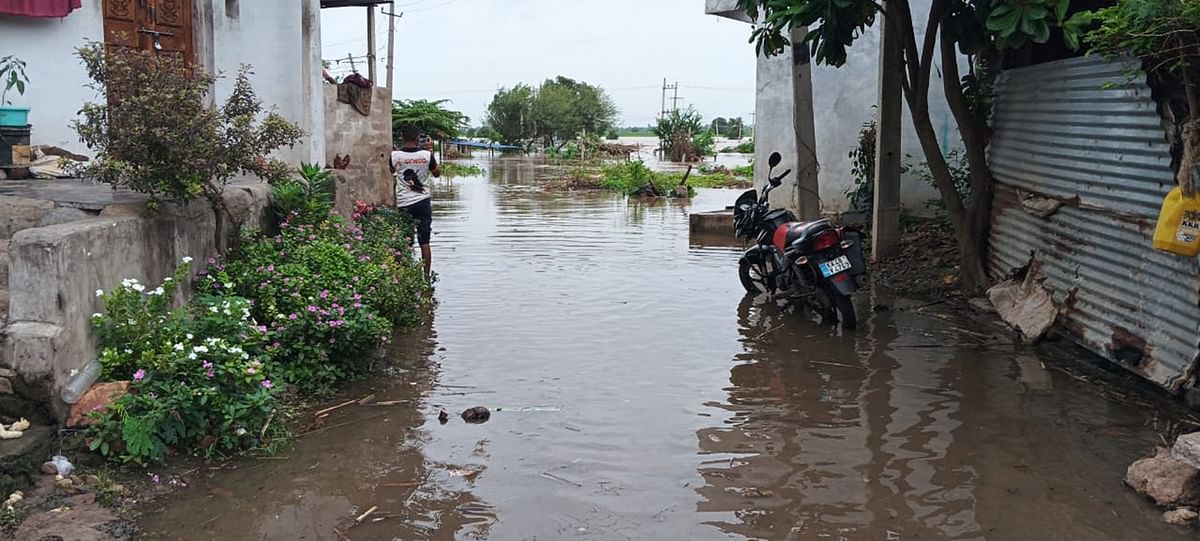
(81,382)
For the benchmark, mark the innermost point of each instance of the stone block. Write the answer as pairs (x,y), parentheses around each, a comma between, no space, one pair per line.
(4,263)
(1187,449)
(6,386)
(1164,479)
(62,215)
(95,399)
(17,213)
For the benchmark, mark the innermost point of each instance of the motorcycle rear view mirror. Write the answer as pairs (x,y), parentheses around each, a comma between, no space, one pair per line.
(774,160)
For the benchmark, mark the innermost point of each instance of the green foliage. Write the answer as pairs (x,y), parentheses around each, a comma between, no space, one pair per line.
(683,135)
(198,375)
(558,111)
(328,292)
(631,177)
(157,134)
(12,73)
(430,116)
(959,171)
(453,170)
(746,171)
(309,198)
(745,147)
(733,128)
(861,194)
(1165,33)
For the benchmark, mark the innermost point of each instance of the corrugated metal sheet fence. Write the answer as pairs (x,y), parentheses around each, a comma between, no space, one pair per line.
(1081,132)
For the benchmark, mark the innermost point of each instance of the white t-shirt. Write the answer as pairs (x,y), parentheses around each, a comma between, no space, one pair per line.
(413,171)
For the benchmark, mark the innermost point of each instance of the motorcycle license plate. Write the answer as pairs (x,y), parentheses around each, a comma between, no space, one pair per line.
(834,266)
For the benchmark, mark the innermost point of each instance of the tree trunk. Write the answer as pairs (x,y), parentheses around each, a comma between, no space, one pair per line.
(973,234)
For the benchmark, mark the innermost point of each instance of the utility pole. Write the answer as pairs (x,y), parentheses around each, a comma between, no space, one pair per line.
(662,111)
(350,58)
(371,45)
(665,88)
(885,234)
(391,52)
(675,100)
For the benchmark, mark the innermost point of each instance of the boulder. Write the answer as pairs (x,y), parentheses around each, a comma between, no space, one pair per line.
(1165,479)
(95,399)
(1187,449)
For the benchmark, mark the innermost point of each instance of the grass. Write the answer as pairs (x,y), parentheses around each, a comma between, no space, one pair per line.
(452,170)
(745,147)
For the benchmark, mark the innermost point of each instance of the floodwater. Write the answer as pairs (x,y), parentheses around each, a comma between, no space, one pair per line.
(637,394)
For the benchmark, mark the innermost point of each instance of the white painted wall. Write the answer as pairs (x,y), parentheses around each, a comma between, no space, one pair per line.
(56,88)
(279,38)
(843,99)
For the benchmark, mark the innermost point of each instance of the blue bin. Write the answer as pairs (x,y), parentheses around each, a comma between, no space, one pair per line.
(14,117)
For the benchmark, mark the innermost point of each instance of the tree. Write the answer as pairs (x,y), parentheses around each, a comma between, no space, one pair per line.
(728,127)
(430,116)
(977,28)
(156,132)
(557,112)
(1166,34)
(683,135)
(511,114)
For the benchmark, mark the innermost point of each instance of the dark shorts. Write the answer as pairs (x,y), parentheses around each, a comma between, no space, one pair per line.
(422,213)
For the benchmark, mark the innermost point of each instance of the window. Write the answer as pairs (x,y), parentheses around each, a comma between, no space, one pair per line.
(231,9)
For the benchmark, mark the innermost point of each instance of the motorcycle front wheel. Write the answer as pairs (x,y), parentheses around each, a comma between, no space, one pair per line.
(752,278)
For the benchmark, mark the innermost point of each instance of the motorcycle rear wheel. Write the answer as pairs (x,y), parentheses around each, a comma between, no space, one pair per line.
(834,307)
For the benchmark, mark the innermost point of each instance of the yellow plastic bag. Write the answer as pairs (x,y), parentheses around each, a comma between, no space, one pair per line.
(1178,229)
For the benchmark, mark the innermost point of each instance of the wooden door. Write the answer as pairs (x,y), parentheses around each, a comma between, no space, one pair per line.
(153,25)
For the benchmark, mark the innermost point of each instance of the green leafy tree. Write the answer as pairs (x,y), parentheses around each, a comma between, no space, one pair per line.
(554,114)
(683,135)
(430,116)
(1166,35)
(977,28)
(510,115)
(156,133)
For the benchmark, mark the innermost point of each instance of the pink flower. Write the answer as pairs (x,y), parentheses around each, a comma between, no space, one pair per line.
(357,297)
(358,305)
(139,375)
(251,370)
(270,268)
(207,365)
(266,384)
(210,373)
(292,317)
(312,308)
(325,294)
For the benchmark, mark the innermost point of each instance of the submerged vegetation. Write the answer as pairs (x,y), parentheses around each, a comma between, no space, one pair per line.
(454,170)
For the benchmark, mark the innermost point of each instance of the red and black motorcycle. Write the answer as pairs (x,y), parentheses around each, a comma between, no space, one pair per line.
(816,262)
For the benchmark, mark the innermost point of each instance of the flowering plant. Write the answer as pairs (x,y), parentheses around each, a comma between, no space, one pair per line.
(198,375)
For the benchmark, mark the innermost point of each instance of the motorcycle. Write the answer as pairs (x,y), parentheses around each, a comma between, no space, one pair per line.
(815,262)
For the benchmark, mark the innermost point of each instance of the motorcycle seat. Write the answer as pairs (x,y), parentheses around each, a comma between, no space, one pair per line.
(800,232)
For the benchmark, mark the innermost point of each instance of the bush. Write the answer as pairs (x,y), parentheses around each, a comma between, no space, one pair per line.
(329,293)
(453,170)
(309,198)
(198,375)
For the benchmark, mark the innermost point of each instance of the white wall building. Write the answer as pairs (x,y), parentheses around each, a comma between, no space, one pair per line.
(280,39)
(843,99)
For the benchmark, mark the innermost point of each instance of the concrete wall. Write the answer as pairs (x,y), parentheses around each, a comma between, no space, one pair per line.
(54,272)
(279,38)
(56,88)
(368,141)
(843,99)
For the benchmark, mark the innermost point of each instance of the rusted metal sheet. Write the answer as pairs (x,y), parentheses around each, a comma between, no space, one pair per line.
(1082,132)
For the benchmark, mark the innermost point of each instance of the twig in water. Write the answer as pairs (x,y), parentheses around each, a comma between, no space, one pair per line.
(334,408)
(340,534)
(769,331)
(209,521)
(557,478)
(362,401)
(339,425)
(364,516)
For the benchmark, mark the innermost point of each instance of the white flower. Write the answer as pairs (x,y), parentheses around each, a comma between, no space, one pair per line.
(167,279)
(200,349)
(228,285)
(157,291)
(192,356)
(240,431)
(228,313)
(178,347)
(245,356)
(96,315)
(189,336)
(212,309)
(99,292)
(128,351)
(73,372)
(129,281)
(138,287)
(187,259)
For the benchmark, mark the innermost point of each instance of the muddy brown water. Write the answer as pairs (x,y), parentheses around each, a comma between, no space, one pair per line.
(637,394)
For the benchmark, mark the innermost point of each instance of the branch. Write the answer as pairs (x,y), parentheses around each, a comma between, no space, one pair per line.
(908,40)
(936,12)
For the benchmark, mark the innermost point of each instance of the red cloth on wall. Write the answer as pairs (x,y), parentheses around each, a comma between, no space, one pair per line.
(39,8)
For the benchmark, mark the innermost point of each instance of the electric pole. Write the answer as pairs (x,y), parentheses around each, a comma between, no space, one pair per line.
(391,52)
(371,45)
(665,88)
(675,99)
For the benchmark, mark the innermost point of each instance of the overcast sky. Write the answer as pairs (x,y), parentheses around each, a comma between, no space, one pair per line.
(463,50)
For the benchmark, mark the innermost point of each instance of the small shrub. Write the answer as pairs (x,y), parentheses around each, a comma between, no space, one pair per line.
(198,375)
(861,194)
(746,171)
(309,198)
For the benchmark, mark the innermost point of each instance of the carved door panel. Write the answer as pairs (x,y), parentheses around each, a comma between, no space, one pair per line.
(155,25)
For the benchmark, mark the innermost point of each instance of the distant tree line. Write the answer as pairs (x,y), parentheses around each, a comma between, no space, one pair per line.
(551,115)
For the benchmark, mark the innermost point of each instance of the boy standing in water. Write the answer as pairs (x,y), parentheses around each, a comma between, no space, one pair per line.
(413,167)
